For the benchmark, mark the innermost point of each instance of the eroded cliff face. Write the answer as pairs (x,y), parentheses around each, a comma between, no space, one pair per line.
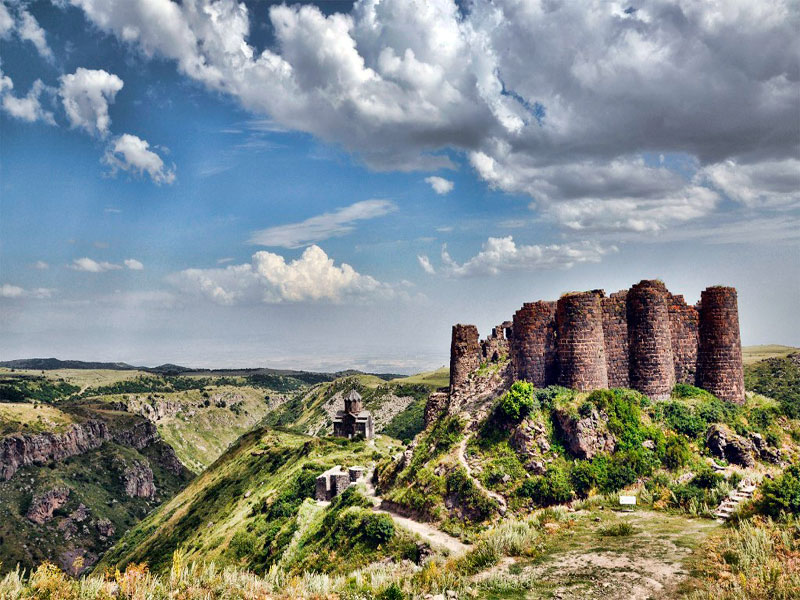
(44,505)
(21,449)
(138,480)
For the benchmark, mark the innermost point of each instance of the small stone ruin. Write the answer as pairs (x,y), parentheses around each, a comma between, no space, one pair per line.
(353,420)
(336,480)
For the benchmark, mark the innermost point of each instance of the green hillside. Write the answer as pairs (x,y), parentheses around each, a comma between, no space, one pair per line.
(253,509)
(397,406)
(752,354)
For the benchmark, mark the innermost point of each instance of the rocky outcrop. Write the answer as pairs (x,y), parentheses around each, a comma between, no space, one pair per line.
(44,505)
(585,436)
(139,436)
(435,406)
(169,460)
(105,528)
(724,443)
(529,439)
(21,449)
(764,450)
(138,480)
(155,410)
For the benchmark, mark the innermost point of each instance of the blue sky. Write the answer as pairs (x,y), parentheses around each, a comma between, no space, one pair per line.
(223,183)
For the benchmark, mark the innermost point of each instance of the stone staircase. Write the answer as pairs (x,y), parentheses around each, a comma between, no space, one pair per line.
(727,507)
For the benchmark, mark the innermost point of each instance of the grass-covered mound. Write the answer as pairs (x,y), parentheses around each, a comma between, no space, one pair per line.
(247,508)
(778,378)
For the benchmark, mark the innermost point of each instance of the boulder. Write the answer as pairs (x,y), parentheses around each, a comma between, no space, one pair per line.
(722,442)
(44,505)
(529,439)
(585,436)
(764,450)
(105,528)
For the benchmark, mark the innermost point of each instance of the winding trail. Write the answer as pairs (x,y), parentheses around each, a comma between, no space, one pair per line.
(462,458)
(426,531)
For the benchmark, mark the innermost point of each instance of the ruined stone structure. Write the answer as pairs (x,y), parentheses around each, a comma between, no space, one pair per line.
(336,480)
(719,355)
(353,420)
(644,338)
(465,354)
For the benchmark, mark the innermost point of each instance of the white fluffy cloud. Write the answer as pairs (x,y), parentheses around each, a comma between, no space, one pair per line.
(270,278)
(90,265)
(6,22)
(440,185)
(25,108)
(500,255)
(28,28)
(426,265)
(133,264)
(774,184)
(132,154)
(86,94)
(14,291)
(529,89)
(322,227)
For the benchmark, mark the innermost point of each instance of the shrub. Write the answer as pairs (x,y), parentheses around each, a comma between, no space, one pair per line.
(379,528)
(583,477)
(676,453)
(782,495)
(551,488)
(517,403)
(393,592)
(706,479)
(469,496)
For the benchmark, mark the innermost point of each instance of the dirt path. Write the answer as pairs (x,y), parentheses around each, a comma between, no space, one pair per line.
(582,564)
(426,531)
(462,458)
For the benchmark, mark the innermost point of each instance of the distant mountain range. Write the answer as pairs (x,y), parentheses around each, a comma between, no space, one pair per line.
(52,364)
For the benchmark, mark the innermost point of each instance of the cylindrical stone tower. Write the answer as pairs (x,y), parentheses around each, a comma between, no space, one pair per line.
(719,357)
(652,370)
(581,349)
(465,355)
(533,347)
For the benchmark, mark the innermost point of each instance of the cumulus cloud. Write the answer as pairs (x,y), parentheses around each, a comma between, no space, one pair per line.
(500,255)
(525,89)
(25,108)
(132,154)
(322,227)
(133,264)
(86,94)
(773,184)
(90,265)
(440,185)
(28,28)
(270,278)
(6,22)
(426,265)
(15,292)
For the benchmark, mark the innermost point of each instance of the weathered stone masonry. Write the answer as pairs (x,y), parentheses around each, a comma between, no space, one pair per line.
(644,338)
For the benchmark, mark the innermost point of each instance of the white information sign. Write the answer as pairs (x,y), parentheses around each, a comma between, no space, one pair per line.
(627,500)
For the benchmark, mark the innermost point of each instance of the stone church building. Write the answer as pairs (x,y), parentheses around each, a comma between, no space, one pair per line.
(353,420)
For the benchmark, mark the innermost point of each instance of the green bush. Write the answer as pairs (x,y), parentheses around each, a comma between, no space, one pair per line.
(517,403)
(782,495)
(706,478)
(379,528)
(617,530)
(778,378)
(460,486)
(583,477)
(677,452)
(393,592)
(551,488)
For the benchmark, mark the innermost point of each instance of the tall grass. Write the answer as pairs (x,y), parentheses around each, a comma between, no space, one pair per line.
(757,559)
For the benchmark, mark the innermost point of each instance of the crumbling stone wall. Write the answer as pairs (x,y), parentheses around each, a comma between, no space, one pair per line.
(719,356)
(465,355)
(683,320)
(533,343)
(580,345)
(495,346)
(652,368)
(615,334)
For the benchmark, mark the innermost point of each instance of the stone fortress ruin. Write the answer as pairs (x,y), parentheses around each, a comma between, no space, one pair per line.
(643,338)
